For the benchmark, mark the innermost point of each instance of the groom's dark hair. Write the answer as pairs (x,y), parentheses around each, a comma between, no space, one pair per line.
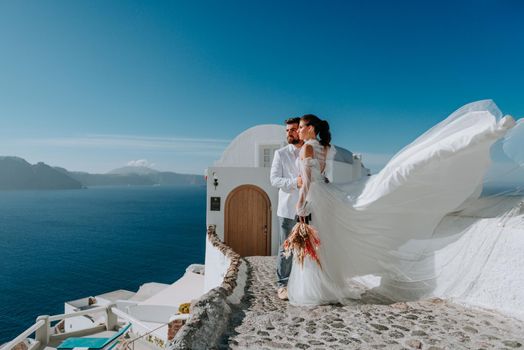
(292,121)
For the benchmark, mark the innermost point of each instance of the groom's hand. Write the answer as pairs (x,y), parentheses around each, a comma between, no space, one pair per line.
(299,181)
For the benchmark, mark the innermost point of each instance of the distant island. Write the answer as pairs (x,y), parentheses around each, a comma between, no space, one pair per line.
(17,174)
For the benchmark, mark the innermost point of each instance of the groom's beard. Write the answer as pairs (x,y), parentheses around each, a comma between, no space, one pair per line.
(293,141)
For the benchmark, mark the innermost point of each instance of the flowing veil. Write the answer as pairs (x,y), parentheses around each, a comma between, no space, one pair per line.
(420,228)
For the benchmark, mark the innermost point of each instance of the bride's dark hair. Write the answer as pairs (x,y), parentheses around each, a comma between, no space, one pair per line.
(321,128)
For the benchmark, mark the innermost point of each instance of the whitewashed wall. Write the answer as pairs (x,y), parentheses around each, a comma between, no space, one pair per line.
(216,266)
(345,172)
(230,178)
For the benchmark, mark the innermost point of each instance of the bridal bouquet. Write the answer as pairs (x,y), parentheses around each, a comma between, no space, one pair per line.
(302,241)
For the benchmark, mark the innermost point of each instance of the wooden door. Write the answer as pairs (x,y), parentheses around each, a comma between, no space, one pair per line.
(247,226)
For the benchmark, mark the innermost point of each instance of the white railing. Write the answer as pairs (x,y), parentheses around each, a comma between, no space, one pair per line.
(130,344)
(77,313)
(24,335)
(42,328)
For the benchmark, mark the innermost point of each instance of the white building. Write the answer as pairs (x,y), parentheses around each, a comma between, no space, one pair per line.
(240,199)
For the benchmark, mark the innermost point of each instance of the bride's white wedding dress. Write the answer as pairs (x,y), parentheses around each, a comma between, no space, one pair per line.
(384,225)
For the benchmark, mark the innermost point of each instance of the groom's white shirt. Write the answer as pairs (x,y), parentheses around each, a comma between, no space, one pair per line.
(284,173)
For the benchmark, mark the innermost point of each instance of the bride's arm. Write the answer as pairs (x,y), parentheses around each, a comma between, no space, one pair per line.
(306,158)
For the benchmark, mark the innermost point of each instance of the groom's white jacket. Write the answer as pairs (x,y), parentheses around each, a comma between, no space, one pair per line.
(284,173)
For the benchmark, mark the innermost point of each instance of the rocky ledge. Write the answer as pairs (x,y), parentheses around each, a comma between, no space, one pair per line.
(210,314)
(262,321)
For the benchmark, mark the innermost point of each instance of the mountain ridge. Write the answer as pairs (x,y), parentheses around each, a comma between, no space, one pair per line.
(18,174)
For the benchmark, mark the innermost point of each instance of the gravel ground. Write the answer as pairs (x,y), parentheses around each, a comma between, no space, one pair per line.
(262,321)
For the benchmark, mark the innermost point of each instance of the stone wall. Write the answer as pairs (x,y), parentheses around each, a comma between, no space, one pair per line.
(210,314)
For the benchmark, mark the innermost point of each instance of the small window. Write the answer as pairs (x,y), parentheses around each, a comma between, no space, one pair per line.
(266,153)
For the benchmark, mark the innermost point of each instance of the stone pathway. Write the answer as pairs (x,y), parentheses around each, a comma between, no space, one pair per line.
(262,321)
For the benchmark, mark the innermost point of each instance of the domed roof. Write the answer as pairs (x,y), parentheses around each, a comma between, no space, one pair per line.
(343,155)
(242,150)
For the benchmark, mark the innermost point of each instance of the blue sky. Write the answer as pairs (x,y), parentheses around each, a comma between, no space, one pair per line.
(93,85)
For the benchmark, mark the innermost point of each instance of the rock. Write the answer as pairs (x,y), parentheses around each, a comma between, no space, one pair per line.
(315,342)
(414,343)
(419,333)
(337,325)
(311,330)
(432,341)
(489,337)
(400,327)
(470,329)
(274,345)
(396,334)
(400,306)
(379,327)
(512,343)
(437,301)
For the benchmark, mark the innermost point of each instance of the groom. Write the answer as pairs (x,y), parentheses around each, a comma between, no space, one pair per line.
(285,176)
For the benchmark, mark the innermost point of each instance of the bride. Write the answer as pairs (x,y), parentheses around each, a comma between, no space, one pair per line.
(383,226)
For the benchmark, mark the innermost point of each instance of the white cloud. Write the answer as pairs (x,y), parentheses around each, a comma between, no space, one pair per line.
(140,163)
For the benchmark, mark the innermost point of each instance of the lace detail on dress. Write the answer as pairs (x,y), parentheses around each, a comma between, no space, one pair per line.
(311,170)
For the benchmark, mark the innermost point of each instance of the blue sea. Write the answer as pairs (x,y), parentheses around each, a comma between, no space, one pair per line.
(57,246)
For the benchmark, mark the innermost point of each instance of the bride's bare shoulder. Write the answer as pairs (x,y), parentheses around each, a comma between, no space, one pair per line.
(307,151)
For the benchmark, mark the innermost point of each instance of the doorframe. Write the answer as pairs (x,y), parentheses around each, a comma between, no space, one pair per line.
(269,218)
